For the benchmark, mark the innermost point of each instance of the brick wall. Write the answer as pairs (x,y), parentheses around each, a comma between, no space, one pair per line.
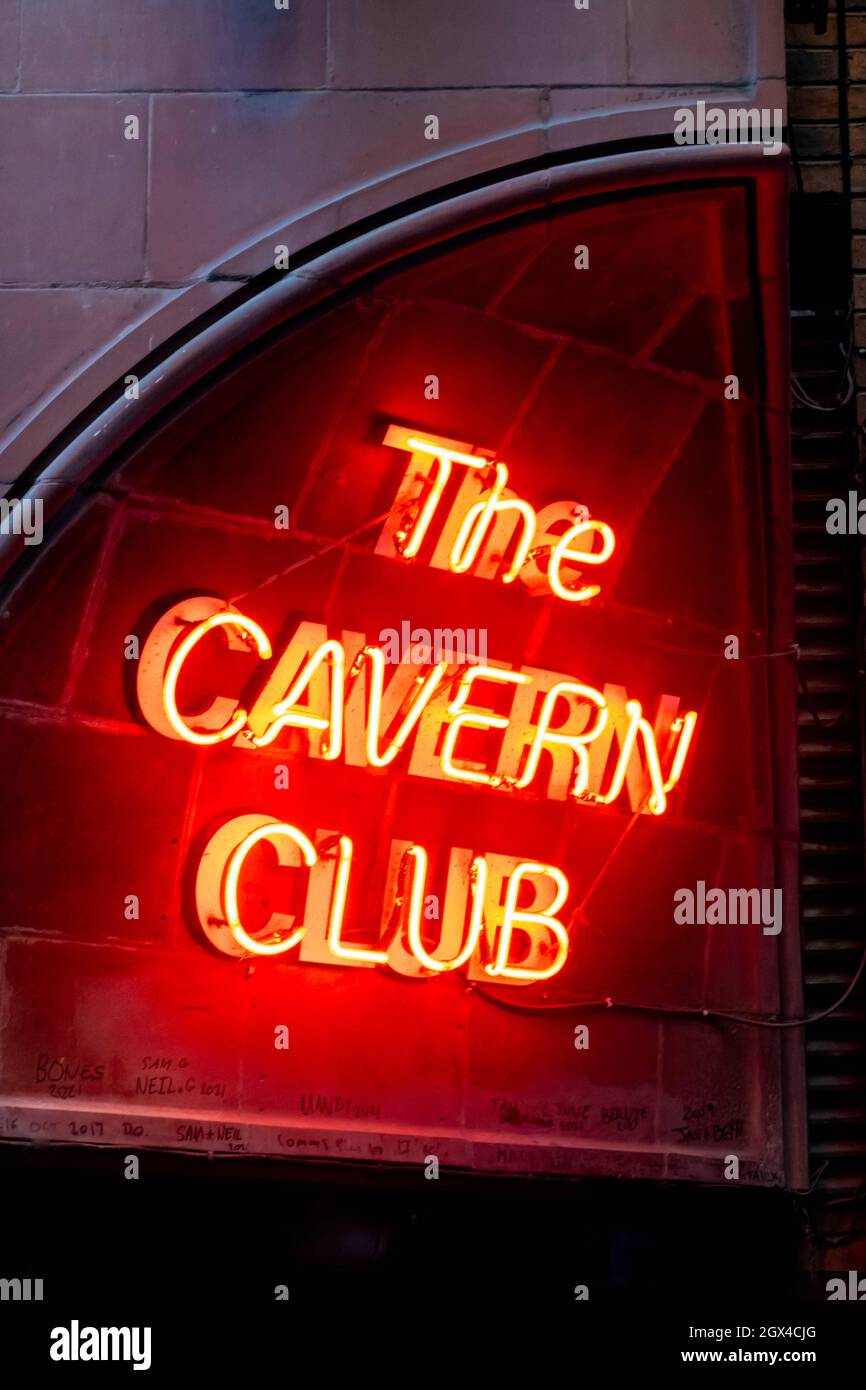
(813,71)
(259,125)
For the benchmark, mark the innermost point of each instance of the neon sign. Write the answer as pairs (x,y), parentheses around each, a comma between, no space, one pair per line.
(329,697)
(486,947)
(348,700)
(485,511)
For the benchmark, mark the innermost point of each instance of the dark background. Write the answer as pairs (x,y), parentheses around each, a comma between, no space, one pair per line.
(192,1229)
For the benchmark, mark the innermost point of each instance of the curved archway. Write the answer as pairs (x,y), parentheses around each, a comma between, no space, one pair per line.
(471,322)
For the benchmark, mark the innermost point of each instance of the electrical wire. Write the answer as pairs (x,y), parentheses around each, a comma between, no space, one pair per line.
(711,654)
(661,1010)
(847,385)
(323,550)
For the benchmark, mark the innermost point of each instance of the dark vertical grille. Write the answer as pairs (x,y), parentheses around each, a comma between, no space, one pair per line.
(828,603)
(827,206)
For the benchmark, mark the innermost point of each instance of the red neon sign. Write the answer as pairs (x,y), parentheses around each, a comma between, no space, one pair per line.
(335,692)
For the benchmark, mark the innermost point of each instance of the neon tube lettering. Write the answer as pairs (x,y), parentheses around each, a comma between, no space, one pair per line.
(467,553)
(476,524)
(546,737)
(527,919)
(682,728)
(236,862)
(165,653)
(477,886)
(420,708)
(345,851)
(638,725)
(444,458)
(561,551)
(427,687)
(285,714)
(475,719)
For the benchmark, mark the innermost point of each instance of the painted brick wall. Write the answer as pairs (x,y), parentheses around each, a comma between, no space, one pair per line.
(260,125)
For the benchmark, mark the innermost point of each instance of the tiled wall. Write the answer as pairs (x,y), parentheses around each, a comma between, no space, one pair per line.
(260,125)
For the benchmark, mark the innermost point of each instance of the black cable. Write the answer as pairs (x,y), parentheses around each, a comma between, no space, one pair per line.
(750,1020)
